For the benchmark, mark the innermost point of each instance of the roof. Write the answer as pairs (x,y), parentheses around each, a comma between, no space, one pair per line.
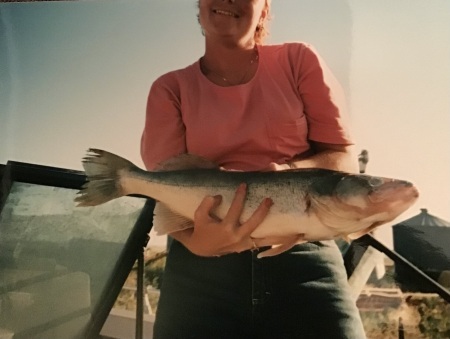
(425,219)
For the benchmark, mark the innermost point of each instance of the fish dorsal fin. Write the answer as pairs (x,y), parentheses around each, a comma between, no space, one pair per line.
(167,221)
(184,162)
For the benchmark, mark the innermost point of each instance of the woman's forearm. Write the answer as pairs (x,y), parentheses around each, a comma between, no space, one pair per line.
(329,156)
(335,157)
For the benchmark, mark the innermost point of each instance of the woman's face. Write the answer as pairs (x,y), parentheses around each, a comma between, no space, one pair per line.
(230,19)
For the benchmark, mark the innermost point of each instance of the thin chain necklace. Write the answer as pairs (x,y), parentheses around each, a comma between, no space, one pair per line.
(253,60)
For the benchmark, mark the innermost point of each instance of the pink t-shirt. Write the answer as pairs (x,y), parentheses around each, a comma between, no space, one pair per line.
(292,98)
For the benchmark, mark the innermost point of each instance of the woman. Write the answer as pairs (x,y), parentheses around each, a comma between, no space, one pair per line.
(247,106)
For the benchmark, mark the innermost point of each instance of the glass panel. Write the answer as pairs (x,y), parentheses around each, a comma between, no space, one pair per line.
(56,259)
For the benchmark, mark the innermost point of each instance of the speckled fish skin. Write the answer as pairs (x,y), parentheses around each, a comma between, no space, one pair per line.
(316,204)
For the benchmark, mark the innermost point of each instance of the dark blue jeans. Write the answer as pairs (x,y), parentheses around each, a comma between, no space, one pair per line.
(300,294)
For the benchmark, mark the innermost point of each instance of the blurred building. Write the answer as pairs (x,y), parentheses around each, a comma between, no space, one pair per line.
(424,240)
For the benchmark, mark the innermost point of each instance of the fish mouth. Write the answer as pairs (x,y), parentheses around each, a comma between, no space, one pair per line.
(226,13)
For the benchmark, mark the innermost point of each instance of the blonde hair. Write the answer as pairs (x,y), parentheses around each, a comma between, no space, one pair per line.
(261,30)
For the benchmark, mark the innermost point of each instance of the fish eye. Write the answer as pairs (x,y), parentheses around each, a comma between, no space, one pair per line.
(351,186)
(374,181)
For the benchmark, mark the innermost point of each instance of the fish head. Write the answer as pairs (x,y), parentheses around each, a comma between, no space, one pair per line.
(354,204)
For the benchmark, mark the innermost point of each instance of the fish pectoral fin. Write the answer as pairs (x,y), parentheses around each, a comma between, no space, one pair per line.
(352,236)
(167,221)
(185,162)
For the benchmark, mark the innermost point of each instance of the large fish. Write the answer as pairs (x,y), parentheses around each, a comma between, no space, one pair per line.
(314,204)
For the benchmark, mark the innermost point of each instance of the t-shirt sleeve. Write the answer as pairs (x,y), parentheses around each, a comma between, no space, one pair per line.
(164,132)
(323,98)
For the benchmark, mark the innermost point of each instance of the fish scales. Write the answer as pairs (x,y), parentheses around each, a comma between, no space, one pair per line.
(182,191)
(286,189)
(260,184)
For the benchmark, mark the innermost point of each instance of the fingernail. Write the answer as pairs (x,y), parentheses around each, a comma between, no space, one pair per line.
(242,187)
(268,202)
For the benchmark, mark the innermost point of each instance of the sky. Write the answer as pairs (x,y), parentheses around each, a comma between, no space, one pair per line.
(76,75)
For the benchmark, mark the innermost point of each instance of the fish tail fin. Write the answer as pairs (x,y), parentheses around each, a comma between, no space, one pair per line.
(104,171)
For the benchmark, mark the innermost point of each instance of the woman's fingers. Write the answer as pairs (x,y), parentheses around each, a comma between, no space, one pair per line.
(257,217)
(237,205)
(213,236)
(285,244)
(273,167)
(275,250)
(206,207)
(271,240)
(234,214)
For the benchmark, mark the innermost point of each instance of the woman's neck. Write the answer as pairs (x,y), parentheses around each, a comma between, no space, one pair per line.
(227,64)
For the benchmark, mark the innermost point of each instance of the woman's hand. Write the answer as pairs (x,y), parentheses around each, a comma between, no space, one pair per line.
(322,155)
(214,237)
(273,167)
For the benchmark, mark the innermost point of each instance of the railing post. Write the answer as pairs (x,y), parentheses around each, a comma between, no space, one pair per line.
(401,329)
(139,334)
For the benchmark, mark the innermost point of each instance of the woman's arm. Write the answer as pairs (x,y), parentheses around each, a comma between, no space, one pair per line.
(329,156)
